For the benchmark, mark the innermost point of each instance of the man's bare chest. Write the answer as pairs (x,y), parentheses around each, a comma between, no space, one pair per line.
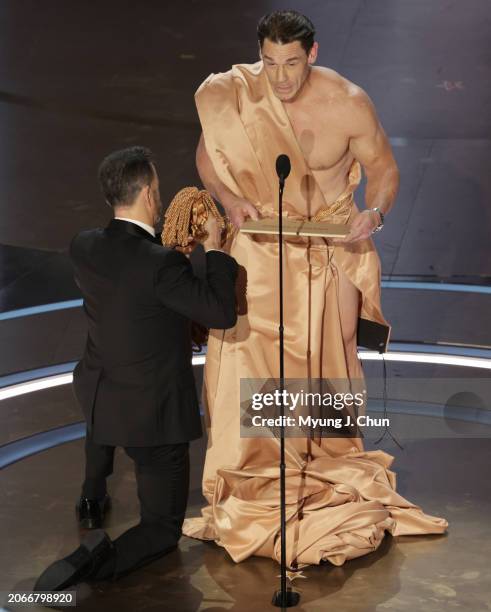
(322,137)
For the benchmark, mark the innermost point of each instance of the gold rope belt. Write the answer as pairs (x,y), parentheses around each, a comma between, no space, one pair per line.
(337,212)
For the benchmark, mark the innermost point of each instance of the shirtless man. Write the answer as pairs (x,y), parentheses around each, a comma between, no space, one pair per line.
(331,293)
(335,122)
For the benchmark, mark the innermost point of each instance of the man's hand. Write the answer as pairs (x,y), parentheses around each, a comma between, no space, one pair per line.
(361,228)
(214,238)
(239,210)
(189,248)
(212,241)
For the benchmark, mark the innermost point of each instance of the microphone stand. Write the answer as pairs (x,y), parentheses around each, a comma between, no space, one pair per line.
(284,598)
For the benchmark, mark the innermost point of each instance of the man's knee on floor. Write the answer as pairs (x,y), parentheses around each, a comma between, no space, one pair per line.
(164,533)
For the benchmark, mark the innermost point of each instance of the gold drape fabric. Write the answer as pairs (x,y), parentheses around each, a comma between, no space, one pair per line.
(340,498)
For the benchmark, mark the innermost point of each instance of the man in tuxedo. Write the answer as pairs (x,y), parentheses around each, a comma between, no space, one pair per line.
(135,381)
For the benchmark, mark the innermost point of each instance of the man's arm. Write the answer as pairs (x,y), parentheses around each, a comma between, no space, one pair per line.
(370,146)
(237,209)
(210,302)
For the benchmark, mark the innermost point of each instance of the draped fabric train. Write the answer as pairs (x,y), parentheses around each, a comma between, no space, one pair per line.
(340,498)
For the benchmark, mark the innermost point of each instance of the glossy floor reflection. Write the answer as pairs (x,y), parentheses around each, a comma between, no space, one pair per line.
(431,573)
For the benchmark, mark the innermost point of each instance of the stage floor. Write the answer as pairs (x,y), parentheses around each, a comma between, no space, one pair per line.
(431,573)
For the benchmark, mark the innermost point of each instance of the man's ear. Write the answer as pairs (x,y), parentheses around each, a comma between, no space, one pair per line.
(312,57)
(148,196)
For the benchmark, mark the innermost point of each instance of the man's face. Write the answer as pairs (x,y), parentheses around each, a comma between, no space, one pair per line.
(287,66)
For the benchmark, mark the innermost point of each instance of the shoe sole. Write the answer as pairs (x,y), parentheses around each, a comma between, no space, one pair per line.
(57,577)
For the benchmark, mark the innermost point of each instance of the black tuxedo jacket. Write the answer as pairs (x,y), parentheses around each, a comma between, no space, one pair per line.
(135,381)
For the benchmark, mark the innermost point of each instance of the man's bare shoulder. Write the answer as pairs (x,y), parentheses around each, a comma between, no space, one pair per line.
(335,87)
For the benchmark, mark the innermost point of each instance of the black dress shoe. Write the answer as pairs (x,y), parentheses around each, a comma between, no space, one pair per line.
(91,512)
(95,549)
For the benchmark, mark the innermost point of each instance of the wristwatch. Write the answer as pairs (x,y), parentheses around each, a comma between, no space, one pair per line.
(382,217)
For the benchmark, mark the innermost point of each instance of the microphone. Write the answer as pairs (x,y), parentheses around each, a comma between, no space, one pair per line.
(282,598)
(283,167)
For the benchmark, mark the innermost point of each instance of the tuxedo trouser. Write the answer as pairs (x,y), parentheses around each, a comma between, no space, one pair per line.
(99,460)
(162,478)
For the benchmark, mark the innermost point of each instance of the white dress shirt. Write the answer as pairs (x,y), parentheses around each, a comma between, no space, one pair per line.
(145,226)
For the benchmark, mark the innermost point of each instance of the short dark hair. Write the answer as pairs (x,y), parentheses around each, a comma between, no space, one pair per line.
(124,173)
(285,27)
